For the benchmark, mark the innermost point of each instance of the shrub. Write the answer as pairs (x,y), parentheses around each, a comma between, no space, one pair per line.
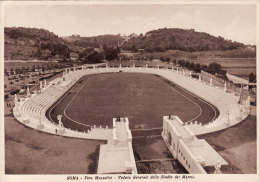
(15,91)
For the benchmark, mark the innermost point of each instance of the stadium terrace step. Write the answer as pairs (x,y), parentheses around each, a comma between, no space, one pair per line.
(36,106)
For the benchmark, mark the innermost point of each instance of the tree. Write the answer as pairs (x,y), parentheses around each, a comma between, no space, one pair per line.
(134,49)
(104,47)
(181,62)
(11,83)
(33,68)
(192,65)
(12,71)
(197,67)
(187,65)
(214,68)
(23,70)
(17,70)
(162,59)
(204,67)
(252,78)
(111,53)
(94,57)
(175,61)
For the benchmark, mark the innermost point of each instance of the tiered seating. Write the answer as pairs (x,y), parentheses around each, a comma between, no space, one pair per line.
(35,107)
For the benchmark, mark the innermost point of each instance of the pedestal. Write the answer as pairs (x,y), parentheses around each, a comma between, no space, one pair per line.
(239,118)
(61,131)
(40,126)
(128,167)
(26,121)
(227,123)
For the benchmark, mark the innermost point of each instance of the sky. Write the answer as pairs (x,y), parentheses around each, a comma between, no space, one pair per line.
(235,22)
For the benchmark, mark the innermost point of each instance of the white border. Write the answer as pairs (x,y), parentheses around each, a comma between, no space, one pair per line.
(28,178)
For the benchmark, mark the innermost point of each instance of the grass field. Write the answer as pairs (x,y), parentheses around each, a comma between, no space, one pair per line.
(143,98)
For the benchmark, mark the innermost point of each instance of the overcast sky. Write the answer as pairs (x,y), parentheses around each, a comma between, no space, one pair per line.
(235,22)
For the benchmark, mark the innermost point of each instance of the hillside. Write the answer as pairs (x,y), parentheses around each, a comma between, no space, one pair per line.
(179,39)
(33,43)
(96,41)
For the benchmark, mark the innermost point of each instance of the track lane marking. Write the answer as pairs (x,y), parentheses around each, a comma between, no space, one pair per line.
(71,102)
(215,113)
(132,129)
(186,98)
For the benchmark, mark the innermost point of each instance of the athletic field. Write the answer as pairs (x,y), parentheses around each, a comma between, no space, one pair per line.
(143,98)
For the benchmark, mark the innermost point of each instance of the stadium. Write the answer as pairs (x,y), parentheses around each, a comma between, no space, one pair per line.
(127,90)
(119,103)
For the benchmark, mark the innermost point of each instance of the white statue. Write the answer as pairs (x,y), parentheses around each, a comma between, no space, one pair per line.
(40,120)
(59,119)
(241,112)
(217,168)
(225,86)
(248,101)
(40,85)
(228,119)
(28,91)
(15,98)
(210,82)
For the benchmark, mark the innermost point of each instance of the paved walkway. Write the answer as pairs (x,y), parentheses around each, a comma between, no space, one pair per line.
(117,155)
